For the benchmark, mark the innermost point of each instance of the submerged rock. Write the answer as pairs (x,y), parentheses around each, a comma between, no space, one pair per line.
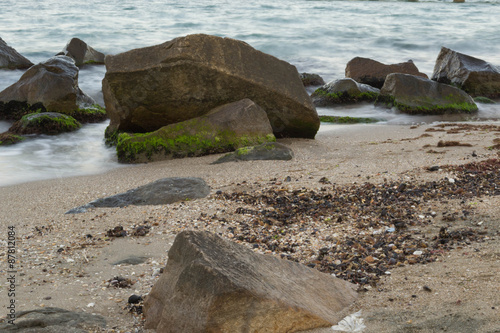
(82,53)
(54,83)
(223,129)
(146,89)
(475,76)
(11,59)
(54,320)
(344,91)
(373,73)
(416,95)
(213,285)
(50,123)
(265,151)
(160,192)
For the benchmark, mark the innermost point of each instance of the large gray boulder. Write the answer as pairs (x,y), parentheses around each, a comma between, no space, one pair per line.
(160,192)
(11,59)
(344,91)
(373,73)
(214,285)
(54,83)
(82,53)
(475,76)
(223,129)
(146,89)
(416,95)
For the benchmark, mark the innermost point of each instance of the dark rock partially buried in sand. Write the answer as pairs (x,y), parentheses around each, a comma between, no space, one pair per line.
(416,95)
(475,76)
(54,320)
(214,285)
(160,192)
(11,59)
(148,88)
(265,151)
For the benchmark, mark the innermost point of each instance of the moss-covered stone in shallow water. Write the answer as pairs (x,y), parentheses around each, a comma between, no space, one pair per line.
(347,120)
(50,123)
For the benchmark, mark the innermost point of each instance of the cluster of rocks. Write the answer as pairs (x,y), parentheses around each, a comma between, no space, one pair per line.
(47,98)
(457,78)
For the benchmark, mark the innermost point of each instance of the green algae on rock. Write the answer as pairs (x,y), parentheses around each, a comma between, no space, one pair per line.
(344,91)
(9,139)
(50,123)
(223,129)
(347,120)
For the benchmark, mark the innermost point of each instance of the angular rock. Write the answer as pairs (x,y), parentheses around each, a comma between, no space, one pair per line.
(11,59)
(146,89)
(214,285)
(50,123)
(54,83)
(344,91)
(373,73)
(160,192)
(311,79)
(54,320)
(416,95)
(82,53)
(265,151)
(475,76)
(223,129)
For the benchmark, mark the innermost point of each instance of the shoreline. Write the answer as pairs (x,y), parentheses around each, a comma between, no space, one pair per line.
(346,155)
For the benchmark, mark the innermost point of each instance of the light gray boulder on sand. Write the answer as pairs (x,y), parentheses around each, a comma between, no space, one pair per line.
(54,83)
(344,91)
(11,59)
(373,73)
(160,192)
(223,129)
(416,95)
(475,76)
(82,53)
(214,285)
(148,88)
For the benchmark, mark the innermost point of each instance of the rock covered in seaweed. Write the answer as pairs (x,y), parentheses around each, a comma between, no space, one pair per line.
(373,73)
(82,53)
(229,288)
(416,95)
(11,59)
(50,123)
(475,76)
(145,89)
(223,129)
(54,83)
(344,91)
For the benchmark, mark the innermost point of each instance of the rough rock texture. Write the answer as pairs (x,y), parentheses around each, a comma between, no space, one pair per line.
(145,89)
(11,59)
(7,138)
(50,123)
(373,73)
(160,192)
(311,79)
(54,320)
(265,151)
(213,285)
(474,76)
(413,94)
(82,53)
(15,110)
(223,129)
(54,83)
(344,91)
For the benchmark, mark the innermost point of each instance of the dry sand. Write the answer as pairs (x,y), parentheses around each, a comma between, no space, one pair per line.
(59,266)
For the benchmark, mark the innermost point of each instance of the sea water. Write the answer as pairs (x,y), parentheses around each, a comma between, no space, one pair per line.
(317,36)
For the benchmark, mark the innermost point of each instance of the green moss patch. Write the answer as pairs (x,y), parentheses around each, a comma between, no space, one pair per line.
(390,101)
(194,137)
(9,139)
(93,114)
(50,123)
(484,100)
(347,120)
(323,97)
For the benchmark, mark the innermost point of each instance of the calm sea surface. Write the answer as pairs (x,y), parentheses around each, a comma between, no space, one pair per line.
(316,36)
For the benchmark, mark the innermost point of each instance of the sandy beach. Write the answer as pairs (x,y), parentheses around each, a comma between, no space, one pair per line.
(66,260)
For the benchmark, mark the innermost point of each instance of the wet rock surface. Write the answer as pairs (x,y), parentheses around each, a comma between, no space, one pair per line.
(11,59)
(82,53)
(265,151)
(344,91)
(160,192)
(50,123)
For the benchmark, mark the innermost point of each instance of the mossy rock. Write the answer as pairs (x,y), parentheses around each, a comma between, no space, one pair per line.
(50,123)
(344,91)
(347,120)
(15,110)
(484,100)
(8,138)
(93,114)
